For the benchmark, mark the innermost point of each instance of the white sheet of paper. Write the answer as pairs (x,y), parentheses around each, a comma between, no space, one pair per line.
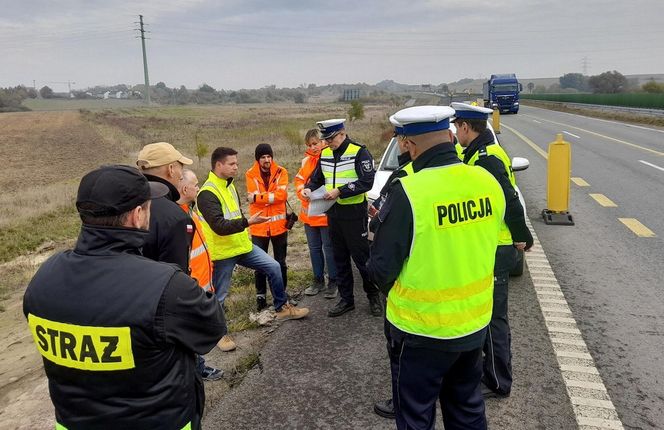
(318,205)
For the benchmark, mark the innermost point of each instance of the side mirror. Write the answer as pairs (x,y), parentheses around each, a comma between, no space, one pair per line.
(520,163)
(520,87)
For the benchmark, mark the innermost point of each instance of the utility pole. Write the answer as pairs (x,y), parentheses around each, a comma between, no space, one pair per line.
(145,63)
(584,65)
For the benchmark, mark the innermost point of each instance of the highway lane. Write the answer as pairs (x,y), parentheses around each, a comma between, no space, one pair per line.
(611,277)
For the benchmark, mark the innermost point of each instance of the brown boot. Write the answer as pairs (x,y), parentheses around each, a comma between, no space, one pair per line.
(226,344)
(290,312)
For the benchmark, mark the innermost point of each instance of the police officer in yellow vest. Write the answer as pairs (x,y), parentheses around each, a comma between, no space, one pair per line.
(225,230)
(119,332)
(482,150)
(433,255)
(345,169)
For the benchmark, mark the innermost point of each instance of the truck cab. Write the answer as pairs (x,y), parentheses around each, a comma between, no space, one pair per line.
(501,92)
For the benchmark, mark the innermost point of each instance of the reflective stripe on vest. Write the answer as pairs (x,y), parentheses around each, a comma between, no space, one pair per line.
(341,172)
(445,288)
(505,237)
(223,247)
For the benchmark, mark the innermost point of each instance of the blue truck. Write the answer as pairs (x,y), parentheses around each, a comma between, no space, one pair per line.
(502,92)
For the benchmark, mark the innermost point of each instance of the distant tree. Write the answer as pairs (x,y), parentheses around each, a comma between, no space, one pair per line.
(161,85)
(205,88)
(653,87)
(574,80)
(182,96)
(356,110)
(46,92)
(443,89)
(299,97)
(540,89)
(608,82)
(531,86)
(554,88)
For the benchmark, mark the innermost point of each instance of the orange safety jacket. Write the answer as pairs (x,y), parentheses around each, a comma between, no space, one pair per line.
(270,200)
(200,264)
(308,166)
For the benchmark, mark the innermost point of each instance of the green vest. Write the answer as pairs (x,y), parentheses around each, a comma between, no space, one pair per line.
(223,247)
(445,288)
(342,172)
(505,237)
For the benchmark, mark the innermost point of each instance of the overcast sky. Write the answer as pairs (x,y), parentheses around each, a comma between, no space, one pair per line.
(234,44)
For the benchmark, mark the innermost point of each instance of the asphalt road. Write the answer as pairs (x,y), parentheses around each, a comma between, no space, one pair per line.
(612,278)
(323,373)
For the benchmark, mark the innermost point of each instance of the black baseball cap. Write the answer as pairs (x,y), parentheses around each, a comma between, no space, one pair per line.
(114,190)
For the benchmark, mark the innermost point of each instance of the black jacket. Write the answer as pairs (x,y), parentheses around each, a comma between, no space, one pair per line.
(514,216)
(365,178)
(171,229)
(103,305)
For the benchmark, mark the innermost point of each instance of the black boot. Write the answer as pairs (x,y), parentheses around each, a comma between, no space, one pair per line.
(340,308)
(375,306)
(385,409)
(261,303)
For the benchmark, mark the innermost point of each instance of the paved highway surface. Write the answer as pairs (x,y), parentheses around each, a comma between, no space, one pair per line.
(326,373)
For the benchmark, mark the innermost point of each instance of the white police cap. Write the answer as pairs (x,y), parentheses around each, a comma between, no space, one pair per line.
(466,111)
(330,127)
(424,119)
(398,128)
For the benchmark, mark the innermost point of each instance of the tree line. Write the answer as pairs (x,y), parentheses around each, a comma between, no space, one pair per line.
(610,82)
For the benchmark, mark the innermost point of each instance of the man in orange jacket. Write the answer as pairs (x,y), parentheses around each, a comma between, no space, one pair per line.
(267,184)
(315,226)
(200,265)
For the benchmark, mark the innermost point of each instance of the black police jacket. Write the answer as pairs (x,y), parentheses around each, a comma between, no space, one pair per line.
(171,229)
(365,179)
(118,334)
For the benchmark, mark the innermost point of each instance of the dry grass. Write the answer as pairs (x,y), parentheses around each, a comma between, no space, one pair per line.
(47,153)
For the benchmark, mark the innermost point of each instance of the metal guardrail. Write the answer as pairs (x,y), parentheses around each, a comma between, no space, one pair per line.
(623,109)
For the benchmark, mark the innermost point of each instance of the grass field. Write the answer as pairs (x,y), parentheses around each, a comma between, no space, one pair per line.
(46,153)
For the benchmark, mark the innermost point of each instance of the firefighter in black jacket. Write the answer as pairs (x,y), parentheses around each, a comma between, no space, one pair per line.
(119,332)
(481,150)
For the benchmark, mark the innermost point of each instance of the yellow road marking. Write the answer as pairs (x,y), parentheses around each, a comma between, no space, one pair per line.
(633,145)
(603,200)
(532,144)
(580,182)
(636,227)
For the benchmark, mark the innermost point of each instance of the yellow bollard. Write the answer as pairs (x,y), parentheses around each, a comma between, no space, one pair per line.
(559,170)
(495,119)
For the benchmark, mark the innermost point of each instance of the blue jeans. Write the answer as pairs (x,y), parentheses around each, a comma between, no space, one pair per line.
(320,252)
(256,259)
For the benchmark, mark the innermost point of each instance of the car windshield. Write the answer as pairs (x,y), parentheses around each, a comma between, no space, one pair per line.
(391,161)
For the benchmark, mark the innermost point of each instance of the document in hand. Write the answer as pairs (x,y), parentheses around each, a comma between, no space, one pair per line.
(317,204)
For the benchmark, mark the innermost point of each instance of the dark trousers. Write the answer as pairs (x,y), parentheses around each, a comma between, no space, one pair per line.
(497,346)
(423,374)
(349,240)
(279,249)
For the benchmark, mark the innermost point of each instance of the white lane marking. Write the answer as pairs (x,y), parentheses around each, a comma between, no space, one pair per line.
(652,165)
(590,401)
(539,122)
(571,134)
(603,120)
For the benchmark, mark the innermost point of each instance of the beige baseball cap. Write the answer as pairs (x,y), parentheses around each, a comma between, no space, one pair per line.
(160,154)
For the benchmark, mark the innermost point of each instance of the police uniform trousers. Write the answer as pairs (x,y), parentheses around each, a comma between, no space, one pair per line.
(497,346)
(349,240)
(424,372)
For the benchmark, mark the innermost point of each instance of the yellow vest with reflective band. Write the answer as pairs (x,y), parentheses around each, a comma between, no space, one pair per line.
(223,247)
(505,237)
(445,288)
(342,172)
(408,168)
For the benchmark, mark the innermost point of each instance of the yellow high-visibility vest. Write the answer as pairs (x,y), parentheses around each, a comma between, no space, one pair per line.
(223,247)
(505,237)
(341,172)
(445,288)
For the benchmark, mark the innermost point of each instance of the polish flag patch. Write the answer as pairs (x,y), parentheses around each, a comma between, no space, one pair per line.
(190,228)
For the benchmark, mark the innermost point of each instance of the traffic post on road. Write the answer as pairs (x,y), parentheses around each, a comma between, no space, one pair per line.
(495,119)
(559,168)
